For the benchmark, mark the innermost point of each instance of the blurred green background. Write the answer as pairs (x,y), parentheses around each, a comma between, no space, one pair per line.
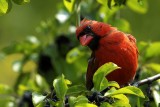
(23,20)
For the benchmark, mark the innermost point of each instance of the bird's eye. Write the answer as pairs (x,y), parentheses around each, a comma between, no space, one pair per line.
(88,27)
(86,30)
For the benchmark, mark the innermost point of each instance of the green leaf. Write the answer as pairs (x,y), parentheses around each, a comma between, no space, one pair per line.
(153,50)
(7,101)
(37,98)
(105,104)
(120,103)
(52,103)
(103,2)
(28,46)
(68,82)
(72,101)
(126,90)
(60,87)
(138,7)
(134,100)
(113,84)
(154,66)
(138,102)
(76,89)
(4,89)
(69,5)
(60,104)
(121,24)
(3,7)
(77,101)
(41,82)
(81,99)
(13,48)
(142,46)
(20,2)
(121,97)
(41,104)
(99,80)
(74,55)
(22,80)
(108,3)
(86,105)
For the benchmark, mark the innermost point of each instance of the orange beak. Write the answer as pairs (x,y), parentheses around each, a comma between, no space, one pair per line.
(85,39)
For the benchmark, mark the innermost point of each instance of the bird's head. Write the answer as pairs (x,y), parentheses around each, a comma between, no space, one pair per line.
(89,32)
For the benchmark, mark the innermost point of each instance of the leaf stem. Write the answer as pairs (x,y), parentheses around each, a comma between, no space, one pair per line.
(78,13)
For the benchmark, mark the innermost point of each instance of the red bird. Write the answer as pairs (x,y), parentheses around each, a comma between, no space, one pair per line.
(108,45)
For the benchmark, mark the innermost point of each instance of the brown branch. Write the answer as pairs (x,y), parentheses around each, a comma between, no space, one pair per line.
(147,80)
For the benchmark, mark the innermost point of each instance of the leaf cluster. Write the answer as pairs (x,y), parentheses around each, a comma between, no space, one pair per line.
(6,5)
(77,95)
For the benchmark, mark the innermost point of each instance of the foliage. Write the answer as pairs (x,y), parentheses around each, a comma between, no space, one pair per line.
(57,79)
(100,83)
(76,100)
(6,5)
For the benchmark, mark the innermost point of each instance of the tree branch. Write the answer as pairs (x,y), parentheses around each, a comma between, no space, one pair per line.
(147,80)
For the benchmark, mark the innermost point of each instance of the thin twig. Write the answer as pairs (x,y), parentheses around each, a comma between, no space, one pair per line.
(147,80)
(78,13)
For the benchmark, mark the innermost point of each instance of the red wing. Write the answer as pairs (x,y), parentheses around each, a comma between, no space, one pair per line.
(92,67)
(133,40)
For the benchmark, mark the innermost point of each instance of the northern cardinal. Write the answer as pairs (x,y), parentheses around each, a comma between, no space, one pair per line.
(108,45)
